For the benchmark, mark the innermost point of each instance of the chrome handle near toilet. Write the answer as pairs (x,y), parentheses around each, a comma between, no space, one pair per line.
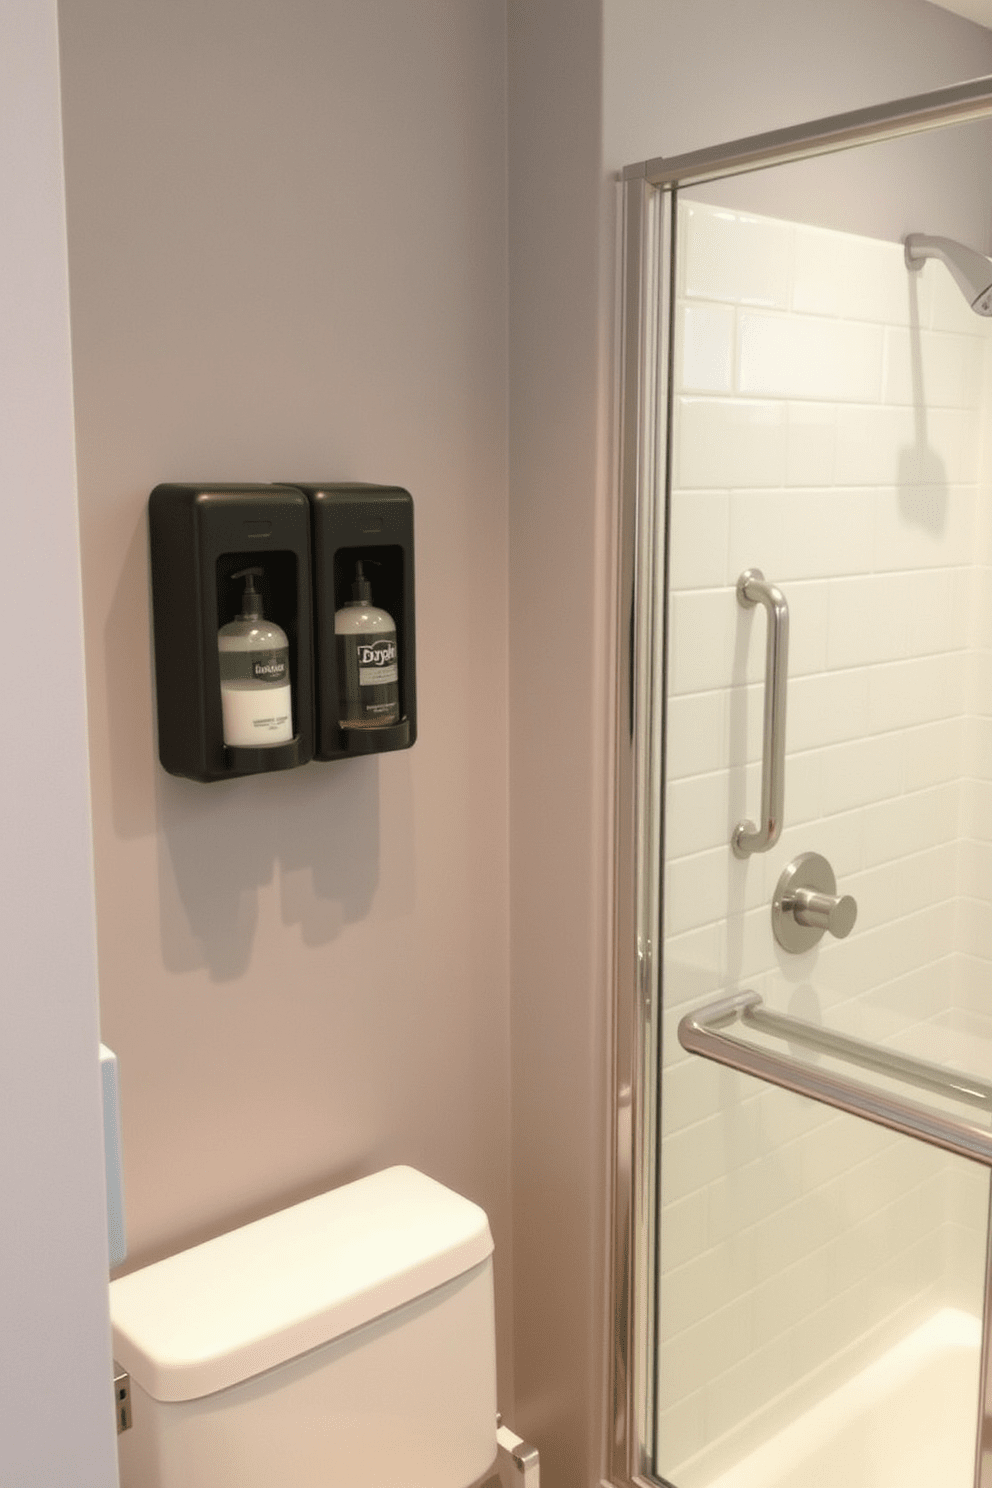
(753,588)
(518,1463)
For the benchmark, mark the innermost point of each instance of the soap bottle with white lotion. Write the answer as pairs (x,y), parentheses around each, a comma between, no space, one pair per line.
(368,666)
(255,691)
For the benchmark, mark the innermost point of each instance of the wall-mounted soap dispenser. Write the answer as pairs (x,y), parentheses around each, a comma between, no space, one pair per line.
(365,686)
(367,659)
(231,596)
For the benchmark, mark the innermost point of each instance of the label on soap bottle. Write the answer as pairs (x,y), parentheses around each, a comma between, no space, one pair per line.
(368,681)
(266,668)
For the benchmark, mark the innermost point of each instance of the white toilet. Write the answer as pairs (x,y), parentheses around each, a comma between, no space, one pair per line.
(347,1341)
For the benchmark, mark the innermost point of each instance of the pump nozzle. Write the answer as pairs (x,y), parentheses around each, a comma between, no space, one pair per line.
(361,589)
(251,603)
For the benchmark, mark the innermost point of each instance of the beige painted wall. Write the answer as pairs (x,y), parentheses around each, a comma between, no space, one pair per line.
(561,722)
(681,77)
(288,261)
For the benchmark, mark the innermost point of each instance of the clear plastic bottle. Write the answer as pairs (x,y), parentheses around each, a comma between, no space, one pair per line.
(255,692)
(368,664)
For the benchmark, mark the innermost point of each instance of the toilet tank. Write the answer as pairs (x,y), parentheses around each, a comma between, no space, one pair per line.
(348,1340)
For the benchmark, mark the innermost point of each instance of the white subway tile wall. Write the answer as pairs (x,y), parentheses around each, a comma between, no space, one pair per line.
(829,417)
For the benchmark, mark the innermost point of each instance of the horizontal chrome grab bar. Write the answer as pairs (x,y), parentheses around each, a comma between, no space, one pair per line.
(920,1072)
(752,589)
(707,1032)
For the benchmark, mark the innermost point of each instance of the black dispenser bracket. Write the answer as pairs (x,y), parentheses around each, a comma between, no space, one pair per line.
(201,536)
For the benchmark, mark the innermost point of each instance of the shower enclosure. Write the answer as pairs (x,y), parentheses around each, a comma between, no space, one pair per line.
(804,1005)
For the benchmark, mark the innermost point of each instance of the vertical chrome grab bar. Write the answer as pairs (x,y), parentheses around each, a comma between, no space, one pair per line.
(753,588)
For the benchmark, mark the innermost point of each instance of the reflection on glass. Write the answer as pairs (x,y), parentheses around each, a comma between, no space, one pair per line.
(828,1334)
(821,1280)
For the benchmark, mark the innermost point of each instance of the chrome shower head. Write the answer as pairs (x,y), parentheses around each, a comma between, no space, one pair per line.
(971,271)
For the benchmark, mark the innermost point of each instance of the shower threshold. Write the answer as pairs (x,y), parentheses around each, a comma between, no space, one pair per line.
(907,1420)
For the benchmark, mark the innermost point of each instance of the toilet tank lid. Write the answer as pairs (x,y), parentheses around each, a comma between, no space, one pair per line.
(232,1307)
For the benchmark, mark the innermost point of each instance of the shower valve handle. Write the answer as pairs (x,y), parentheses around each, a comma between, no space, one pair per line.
(806,904)
(832,912)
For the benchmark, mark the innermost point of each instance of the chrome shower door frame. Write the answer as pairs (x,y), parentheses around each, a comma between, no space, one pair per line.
(649,195)
(648,219)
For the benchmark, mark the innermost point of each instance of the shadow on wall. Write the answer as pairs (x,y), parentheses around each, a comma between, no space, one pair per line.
(922,474)
(220,844)
(130,706)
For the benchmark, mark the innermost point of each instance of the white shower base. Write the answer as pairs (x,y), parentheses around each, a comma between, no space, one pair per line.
(908,1420)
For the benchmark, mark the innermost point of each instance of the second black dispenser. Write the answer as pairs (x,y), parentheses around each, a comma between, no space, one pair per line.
(365,672)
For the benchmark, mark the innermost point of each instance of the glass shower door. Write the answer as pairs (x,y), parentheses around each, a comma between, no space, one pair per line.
(821,1276)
